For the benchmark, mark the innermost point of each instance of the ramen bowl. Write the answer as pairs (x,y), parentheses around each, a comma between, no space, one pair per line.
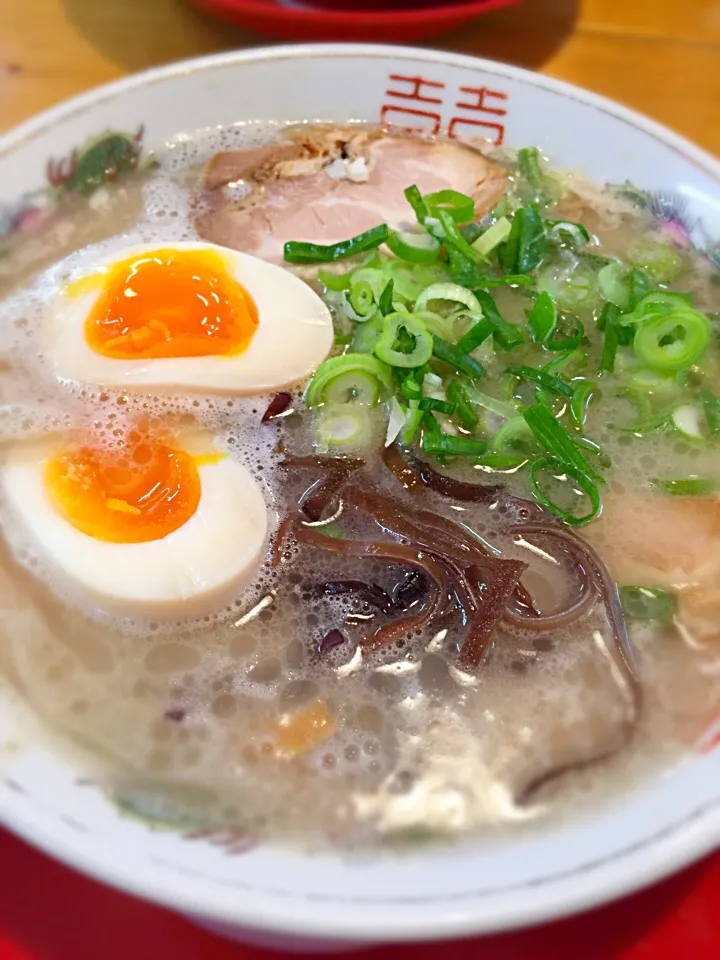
(277,895)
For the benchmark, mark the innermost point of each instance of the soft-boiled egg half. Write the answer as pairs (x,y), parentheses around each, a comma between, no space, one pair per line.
(159,528)
(192,316)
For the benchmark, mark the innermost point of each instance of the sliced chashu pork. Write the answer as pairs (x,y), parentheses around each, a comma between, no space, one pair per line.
(325,184)
(670,543)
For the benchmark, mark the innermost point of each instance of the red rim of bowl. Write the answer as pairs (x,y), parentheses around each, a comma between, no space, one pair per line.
(417,17)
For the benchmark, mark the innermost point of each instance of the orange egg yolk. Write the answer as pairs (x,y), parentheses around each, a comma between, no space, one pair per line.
(142,493)
(171,303)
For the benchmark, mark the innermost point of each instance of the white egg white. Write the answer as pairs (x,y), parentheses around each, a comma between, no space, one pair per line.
(294,334)
(186,573)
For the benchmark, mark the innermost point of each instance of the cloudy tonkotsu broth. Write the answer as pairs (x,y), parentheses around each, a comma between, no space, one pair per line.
(428,638)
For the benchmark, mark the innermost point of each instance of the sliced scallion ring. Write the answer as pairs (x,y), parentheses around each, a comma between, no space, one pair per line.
(568,233)
(452,292)
(573,285)
(404,342)
(343,427)
(351,378)
(646,603)
(415,247)
(614,285)
(360,297)
(672,340)
(459,206)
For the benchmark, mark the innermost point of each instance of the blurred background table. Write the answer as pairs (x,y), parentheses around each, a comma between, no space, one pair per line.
(661,57)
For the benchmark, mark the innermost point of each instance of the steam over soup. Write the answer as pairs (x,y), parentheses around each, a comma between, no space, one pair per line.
(360,487)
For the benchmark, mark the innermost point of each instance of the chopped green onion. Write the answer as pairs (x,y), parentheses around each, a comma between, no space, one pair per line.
(471,232)
(450,354)
(416,201)
(528,159)
(513,431)
(414,247)
(552,436)
(432,385)
(652,423)
(437,324)
(492,237)
(336,282)
(446,445)
(658,260)
(343,427)
(361,298)
(366,335)
(430,425)
(442,226)
(500,463)
(568,233)
(688,486)
(448,291)
(580,400)
(466,413)
(585,443)
(351,378)
(526,244)
(672,340)
(410,388)
(686,420)
(608,323)
(504,333)
(476,335)
(298,251)
(711,408)
(404,342)
(569,358)
(542,319)
(646,603)
(457,205)
(543,379)
(439,406)
(573,285)
(499,407)
(614,285)
(413,419)
(657,303)
(570,342)
(639,286)
(385,303)
(578,476)
(510,280)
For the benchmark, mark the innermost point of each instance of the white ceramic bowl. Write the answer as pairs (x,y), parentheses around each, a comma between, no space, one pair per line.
(668,820)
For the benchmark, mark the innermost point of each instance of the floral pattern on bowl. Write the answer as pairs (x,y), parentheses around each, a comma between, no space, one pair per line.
(100,161)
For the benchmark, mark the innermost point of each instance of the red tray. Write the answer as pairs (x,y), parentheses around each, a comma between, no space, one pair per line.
(279,18)
(48,912)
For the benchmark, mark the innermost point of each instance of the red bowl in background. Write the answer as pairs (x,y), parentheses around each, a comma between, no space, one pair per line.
(296,20)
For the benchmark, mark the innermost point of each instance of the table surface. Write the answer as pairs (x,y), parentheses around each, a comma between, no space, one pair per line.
(661,57)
